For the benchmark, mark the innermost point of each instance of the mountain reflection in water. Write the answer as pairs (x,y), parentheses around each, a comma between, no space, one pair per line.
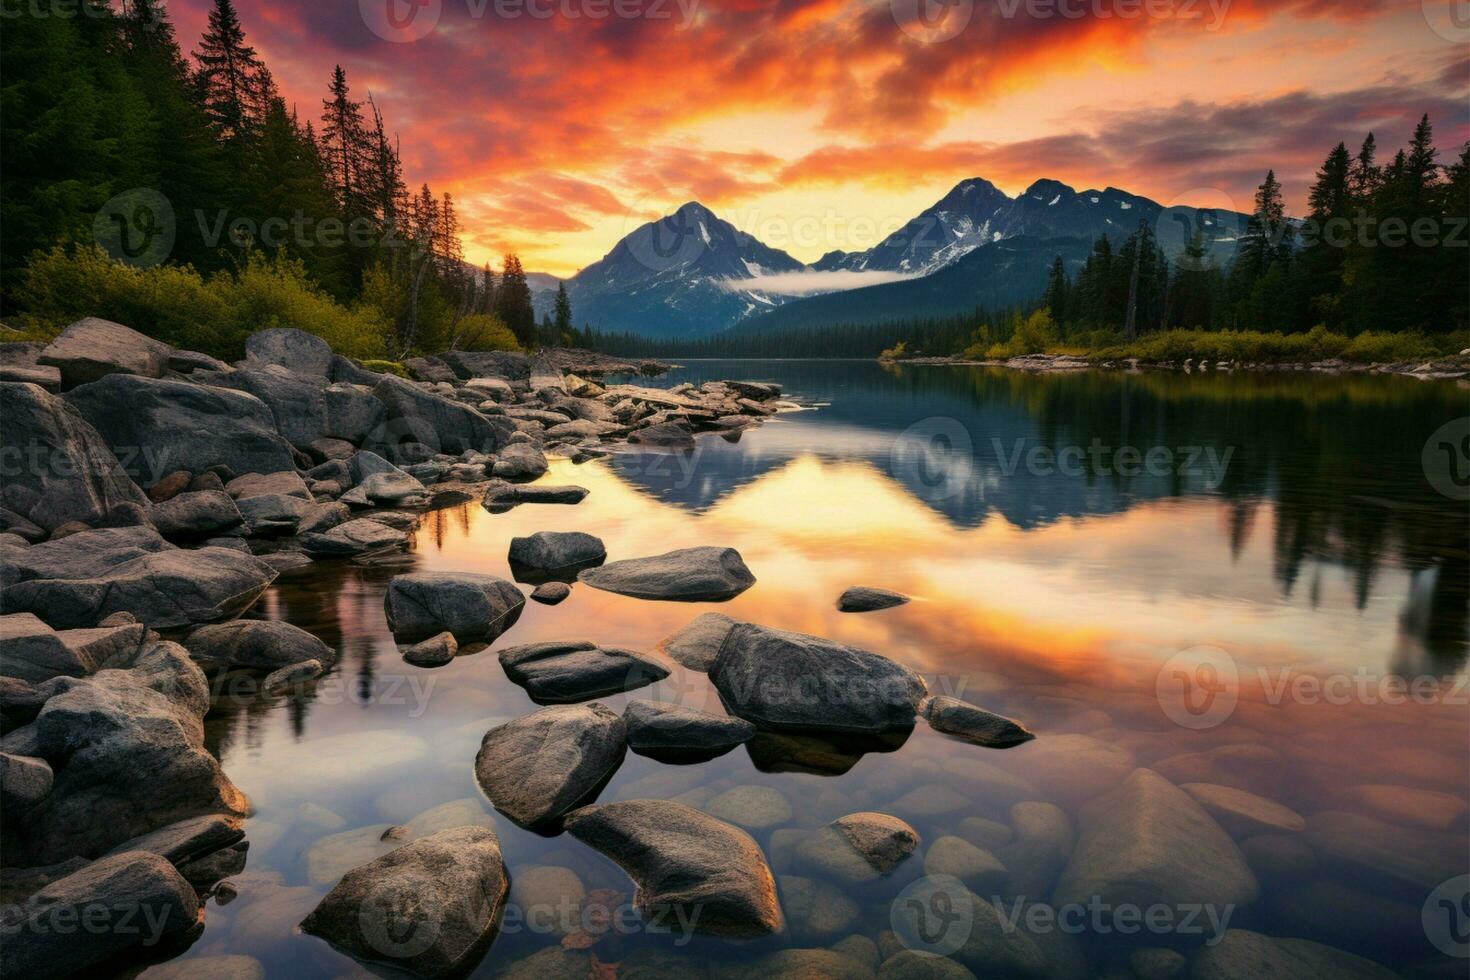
(1319,551)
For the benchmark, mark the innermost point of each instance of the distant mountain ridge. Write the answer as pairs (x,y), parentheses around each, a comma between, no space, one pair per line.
(692,274)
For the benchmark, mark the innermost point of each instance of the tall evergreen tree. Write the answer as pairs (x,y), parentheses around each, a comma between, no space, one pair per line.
(513,301)
(231,77)
(563,310)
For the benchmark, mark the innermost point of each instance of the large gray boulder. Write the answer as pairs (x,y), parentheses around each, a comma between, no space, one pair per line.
(24,781)
(563,672)
(64,471)
(78,921)
(92,348)
(706,574)
(196,514)
(430,907)
(352,411)
(471,606)
(506,365)
(169,425)
(297,401)
(294,350)
(86,554)
(166,589)
(688,866)
(534,769)
(127,748)
(442,424)
(255,644)
(782,680)
(520,461)
(549,554)
(1149,843)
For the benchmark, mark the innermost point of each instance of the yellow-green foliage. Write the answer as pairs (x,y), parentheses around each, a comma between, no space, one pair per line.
(179,306)
(1252,346)
(386,367)
(1034,335)
(897,352)
(484,331)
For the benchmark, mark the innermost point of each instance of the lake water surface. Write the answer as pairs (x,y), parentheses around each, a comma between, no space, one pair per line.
(1078,547)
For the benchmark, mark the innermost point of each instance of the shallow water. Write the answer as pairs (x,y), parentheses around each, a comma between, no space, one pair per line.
(1287,524)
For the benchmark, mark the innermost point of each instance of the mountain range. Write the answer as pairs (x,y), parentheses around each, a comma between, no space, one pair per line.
(692,274)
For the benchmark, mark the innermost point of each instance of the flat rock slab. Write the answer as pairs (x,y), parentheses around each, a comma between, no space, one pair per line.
(860,598)
(430,907)
(688,866)
(657,728)
(255,644)
(537,768)
(706,574)
(91,348)
(469,605)
(361,536)
(782,680)
(555,554)
(86,554)
(501,496)
(165,590)
(1148,842)
(977,726)
(568,671)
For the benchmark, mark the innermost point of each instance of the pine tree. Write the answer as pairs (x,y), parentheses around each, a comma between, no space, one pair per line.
(345,147)
(563,324)
(231,78)
(1365,175)
(1330,204)
(1056,290)
(513,301)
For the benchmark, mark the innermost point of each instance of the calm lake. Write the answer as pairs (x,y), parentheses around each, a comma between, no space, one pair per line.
(1246,581)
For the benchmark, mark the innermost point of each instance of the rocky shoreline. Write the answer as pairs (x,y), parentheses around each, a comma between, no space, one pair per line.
(1444,369)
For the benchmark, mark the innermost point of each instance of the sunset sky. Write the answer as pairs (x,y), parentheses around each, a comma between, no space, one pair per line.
(820,124)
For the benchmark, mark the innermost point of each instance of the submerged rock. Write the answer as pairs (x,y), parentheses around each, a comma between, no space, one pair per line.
(1243,813)
(469,605)
(1242,953)
(858,848)
(697,645)
(974,725)
(430,907)
(655,727)
(255,644)
(534,769)
(112,904)
(689,867)
(704,574)
(784,680)
(564,671)
(860,598)
(1149,843)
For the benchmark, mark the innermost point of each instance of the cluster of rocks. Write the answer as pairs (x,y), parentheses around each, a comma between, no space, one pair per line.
(152,495)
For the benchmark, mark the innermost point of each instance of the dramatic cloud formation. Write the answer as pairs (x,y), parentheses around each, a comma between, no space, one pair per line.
(559,124)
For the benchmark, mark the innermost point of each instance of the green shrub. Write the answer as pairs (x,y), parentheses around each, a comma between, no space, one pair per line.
(1034,335)
(897,352)
(178,306)
(484,331)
